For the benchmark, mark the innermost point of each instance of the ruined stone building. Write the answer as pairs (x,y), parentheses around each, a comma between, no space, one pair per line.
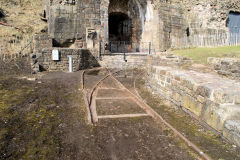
(109,26)
(161,22)
(83,29)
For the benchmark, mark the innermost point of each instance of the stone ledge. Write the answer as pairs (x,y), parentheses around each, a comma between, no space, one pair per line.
(211,98)
(227,67)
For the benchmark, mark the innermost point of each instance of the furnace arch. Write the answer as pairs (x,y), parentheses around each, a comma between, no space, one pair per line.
(126,17)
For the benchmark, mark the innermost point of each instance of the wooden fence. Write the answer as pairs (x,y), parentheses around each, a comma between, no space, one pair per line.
(207,40)
(14,47)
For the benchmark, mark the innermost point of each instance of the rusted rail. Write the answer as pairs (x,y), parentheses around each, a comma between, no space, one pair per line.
(156,116)
(145,106)
(88,97)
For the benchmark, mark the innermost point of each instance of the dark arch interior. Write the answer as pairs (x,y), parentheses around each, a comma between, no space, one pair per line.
(119,27)
(233,21)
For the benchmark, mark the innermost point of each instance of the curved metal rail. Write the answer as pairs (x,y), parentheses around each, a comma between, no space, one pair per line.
(145,106)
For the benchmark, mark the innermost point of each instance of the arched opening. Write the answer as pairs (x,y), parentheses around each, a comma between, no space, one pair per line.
(233,22)
(125,25)
(120,26)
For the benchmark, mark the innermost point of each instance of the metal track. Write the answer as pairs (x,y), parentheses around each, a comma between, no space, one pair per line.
(138,99)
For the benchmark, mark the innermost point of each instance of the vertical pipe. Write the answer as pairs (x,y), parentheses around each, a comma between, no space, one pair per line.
(70,63)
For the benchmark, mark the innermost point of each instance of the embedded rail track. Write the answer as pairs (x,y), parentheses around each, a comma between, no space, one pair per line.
(100,86)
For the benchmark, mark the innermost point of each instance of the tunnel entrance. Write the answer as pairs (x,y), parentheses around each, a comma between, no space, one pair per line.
(119,27)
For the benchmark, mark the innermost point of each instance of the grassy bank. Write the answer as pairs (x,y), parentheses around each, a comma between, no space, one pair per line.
(24,15)
(200,55)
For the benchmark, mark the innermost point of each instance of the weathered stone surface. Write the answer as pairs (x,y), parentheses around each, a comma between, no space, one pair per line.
(228,67)
(192,104)
(117,61)
(237,99)
(222,97)
(214,115)
(210,97)
(82,59)
(232,131)
(204,91)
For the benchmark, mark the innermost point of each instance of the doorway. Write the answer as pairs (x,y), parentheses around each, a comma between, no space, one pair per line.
(119,27)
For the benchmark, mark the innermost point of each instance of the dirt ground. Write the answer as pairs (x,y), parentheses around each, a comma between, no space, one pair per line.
(47,119)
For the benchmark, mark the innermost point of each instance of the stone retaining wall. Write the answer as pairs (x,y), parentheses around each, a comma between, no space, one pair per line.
(117,61)
(228,67)
(41,59)
(141,61)
(82,59)
(213,100)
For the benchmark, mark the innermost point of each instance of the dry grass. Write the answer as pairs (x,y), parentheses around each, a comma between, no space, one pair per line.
(23,14)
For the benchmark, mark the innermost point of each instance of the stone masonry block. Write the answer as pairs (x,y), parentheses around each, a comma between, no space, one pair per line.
(216,115)
(232,131)
(192,104)
(237,99)
(204,91)
(221,97)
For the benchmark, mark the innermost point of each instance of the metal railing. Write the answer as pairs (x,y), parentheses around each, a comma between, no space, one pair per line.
(128,47)
(122,47)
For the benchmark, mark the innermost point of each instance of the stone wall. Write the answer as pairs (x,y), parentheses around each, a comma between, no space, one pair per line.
(167,24)
(152,21)
(74,22)
(41,41)
(82,59)
(117,61)
(211,99)
(41,59)
(207,97)
(227,67)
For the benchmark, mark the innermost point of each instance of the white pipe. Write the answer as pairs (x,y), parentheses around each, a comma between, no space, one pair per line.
(70,63)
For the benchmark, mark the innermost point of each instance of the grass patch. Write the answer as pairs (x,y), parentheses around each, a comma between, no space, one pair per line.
(200,55)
